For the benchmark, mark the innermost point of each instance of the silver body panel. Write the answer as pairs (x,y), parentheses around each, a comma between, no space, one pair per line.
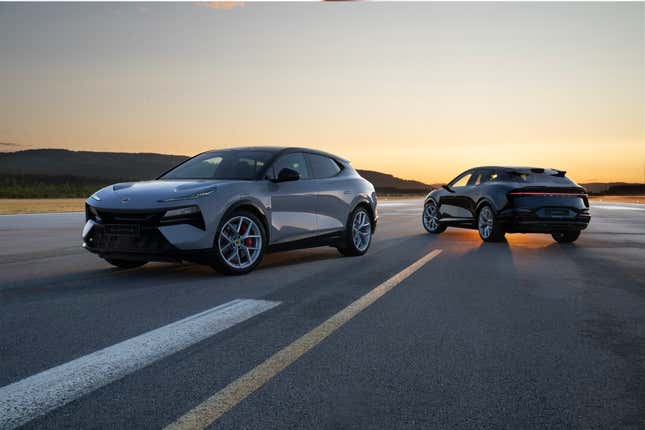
(293,211)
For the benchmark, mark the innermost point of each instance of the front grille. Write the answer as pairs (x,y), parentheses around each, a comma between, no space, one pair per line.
(127,238)
(138,218)
(132,230)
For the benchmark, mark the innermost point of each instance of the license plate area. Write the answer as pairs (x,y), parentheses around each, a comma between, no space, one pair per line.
(123,230)
(556,213)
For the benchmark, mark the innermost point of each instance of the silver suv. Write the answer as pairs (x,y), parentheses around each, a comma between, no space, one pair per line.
(228,207)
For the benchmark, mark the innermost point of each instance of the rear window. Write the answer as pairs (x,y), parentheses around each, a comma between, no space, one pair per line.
(546,177)
(322,167)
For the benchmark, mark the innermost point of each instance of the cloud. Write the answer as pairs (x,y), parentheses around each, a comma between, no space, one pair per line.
(226,5)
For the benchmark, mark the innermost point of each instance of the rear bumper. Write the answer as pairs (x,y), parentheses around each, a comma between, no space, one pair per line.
(525,221)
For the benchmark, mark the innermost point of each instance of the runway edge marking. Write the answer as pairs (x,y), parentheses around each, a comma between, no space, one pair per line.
(227,398)
(43,392)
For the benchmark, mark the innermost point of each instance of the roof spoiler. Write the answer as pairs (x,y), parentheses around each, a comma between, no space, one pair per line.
(559,173)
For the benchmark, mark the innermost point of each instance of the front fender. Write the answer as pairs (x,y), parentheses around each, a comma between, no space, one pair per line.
(257,205)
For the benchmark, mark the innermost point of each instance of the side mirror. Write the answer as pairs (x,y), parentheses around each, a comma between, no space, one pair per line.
(286,175)
(447,188)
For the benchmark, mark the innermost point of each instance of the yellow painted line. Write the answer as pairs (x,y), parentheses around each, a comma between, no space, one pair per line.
(221,402)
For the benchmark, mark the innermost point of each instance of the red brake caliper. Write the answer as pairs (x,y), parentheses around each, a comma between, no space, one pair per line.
(248,241)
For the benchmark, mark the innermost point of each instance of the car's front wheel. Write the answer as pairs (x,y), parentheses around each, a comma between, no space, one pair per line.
(239,243)
(489,228)
(358,234)
(566,236)
(125,264)
(430,219)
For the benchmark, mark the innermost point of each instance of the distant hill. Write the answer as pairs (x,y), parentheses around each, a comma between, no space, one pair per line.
(62,173)
(600,187)
(383,181)
(61,162)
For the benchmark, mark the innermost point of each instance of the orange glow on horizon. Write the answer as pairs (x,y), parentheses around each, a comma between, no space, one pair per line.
(421,91)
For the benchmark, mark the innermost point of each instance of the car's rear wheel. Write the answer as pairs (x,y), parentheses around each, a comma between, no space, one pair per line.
(566,236)
(430,219)
(489,228)
(358,234)
(239,243)
(125,264)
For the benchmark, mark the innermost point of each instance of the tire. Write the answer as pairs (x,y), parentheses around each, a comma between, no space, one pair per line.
(430,219)
(358,233)
(240,242)
(489,228)
(126,264)
(566,236)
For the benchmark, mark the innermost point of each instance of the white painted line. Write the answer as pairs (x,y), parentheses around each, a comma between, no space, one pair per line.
(391,204)
(207,412)
(418,209)
(620,208)
(403,203)
(36,395)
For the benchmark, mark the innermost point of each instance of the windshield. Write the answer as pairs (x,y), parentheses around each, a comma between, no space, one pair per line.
(243,165)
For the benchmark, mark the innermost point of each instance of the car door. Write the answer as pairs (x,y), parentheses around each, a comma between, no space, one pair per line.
(293,203)
(455,205)
(475,189)
(334,194)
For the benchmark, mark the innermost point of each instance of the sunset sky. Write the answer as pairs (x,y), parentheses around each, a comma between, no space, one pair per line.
(419,90)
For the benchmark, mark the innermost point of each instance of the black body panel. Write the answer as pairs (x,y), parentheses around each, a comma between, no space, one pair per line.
(524,200)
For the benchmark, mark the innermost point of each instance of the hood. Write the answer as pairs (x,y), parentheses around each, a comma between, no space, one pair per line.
(147,194)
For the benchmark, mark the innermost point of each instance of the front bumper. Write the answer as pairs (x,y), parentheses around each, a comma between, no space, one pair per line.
(140,242)
(537,221)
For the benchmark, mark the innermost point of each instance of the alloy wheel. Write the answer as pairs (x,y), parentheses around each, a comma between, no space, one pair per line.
(361,230)
(486,220)
(430,217)
(240,242)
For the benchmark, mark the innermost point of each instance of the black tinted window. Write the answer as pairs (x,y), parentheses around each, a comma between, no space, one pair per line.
(221,165)
(295,161)
(322,167)
(534,177)
(484,176)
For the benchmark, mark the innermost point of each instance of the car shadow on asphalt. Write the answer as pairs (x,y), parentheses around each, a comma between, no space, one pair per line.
(153,274)
(291,258)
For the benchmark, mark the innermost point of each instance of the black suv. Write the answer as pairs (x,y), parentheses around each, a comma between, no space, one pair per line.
(498,200)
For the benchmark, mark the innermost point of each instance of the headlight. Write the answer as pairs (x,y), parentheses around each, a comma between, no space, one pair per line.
(181,212)
(189,197)
(95,197)
(92,213)
(189,215)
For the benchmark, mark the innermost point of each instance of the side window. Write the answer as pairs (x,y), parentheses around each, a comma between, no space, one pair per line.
(483,176)
(493,176)
(480,177)
(295,161)
(322,167)
(462,180)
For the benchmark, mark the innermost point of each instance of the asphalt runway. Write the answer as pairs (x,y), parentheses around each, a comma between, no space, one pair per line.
(422,332)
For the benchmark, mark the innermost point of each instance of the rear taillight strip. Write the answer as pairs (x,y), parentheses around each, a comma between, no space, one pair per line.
(536,193)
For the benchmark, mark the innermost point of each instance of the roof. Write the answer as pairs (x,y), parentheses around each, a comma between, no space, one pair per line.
(277,149)
(508,168)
